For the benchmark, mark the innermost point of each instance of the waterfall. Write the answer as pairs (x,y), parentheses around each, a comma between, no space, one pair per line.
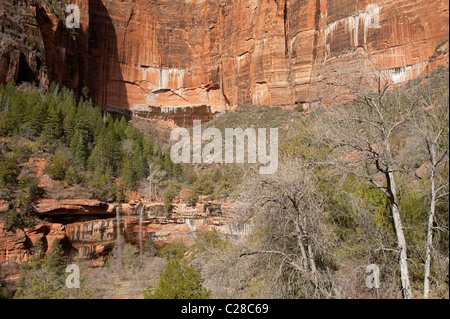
(192,224)
(118,224)
(193,227)
(238,230)
(141,217)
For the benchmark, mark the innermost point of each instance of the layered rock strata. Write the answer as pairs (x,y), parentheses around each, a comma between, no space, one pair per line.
(136,55)
(90,229)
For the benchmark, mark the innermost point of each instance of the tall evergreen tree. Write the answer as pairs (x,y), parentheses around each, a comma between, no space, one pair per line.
(69,123)
(128,174)
(121,127)
(7,124)
(53,129)
(112,143)
(80,141)
(55,261)
(79,149)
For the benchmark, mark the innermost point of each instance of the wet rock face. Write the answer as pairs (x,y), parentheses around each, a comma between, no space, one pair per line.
(181,115)
(90,229)
(141,54)
(80,224)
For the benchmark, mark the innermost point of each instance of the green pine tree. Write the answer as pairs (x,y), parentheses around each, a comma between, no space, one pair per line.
(166,163)
(96,120)
(109,121)
(189,174)
(9,171)
(43,277)
(72,177)
(113,153)
(38,118)
(79,148)
(179,281)
(216,176)
(98,160)
(69,123)
(140,162)
(59,164)
(53,129)
(4,291)
(148,147)
(121,127)
(55,261)
(85,92)
(128,174)
(7,124)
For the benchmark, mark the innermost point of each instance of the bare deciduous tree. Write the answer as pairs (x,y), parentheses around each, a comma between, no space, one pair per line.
(149,186)
(364,137)
(431,129)
(289,221)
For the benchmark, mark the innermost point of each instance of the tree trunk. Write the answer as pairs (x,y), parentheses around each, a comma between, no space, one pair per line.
(426,282)
(401,241)
(300,234)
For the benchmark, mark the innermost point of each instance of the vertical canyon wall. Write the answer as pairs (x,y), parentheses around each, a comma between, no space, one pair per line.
(136,55)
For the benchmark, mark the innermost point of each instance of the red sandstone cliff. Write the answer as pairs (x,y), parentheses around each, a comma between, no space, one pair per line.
(89,228)
(198,56)
(170,53)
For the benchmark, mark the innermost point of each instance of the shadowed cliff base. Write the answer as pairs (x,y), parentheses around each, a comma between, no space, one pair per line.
(180,115)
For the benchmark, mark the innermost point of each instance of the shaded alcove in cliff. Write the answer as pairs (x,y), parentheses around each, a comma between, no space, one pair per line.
(63,50)
(85,56)
(105,80)
(24,73)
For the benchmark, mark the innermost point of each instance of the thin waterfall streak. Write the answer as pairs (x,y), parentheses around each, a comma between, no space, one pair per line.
(118,223)
(141,217)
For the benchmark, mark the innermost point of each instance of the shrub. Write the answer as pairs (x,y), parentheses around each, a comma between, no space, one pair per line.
(42,277)
(169,195)
(59,164)
(179,281)
(8,171)
(175,250)
(299,107)
(192,198)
